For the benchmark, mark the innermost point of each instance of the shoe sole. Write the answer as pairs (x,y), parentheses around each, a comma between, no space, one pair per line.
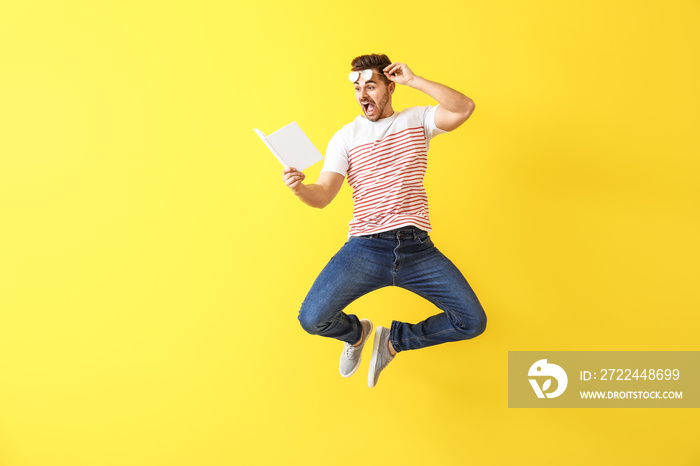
(371,327)
(375,351)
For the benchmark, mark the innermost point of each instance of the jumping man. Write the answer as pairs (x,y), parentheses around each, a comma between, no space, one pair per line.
(383,154)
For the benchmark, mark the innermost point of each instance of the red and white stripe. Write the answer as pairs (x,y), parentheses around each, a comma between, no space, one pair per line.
(387,181)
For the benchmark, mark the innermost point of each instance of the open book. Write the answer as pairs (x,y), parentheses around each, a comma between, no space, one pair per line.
(291,147)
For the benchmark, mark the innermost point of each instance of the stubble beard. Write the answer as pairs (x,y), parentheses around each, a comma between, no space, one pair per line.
(378,109)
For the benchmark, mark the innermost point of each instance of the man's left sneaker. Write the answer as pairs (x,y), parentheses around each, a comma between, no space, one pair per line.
(380,355)
(352,355)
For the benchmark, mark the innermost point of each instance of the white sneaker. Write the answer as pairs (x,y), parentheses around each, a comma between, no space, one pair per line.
(352,355)
(380,355)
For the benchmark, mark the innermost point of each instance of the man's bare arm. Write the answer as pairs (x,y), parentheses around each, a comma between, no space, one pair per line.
(319,194)
(455,108)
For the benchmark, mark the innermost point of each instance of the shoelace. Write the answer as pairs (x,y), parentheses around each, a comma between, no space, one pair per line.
(349,350)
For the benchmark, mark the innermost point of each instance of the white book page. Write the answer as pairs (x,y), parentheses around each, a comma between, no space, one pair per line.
(272,149)
(294,147)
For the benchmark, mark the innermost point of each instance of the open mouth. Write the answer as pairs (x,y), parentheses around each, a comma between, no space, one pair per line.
(368,107)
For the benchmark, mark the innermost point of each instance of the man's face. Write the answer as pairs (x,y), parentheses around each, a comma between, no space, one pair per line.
(374,96)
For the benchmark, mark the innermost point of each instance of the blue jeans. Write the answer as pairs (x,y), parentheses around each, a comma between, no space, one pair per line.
(406,258)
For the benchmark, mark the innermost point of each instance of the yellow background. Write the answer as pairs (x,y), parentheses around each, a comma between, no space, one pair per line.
(152,262)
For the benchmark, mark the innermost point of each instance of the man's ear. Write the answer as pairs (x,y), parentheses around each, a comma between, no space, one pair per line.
(392,86)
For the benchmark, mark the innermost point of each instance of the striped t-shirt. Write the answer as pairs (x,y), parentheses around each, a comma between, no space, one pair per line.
(385,163)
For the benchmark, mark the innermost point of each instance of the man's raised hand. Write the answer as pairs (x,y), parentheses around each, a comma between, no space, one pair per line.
(293,178)
(399,73)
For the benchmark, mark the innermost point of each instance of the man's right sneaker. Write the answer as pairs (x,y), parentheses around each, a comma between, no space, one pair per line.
(380,355)
(352,355)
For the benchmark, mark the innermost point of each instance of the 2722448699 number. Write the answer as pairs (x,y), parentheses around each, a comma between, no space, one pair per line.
(637,374)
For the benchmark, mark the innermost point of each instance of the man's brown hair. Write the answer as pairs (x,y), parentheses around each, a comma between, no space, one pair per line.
(375,61)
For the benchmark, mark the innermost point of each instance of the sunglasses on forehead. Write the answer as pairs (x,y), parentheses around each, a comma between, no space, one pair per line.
(355,75)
